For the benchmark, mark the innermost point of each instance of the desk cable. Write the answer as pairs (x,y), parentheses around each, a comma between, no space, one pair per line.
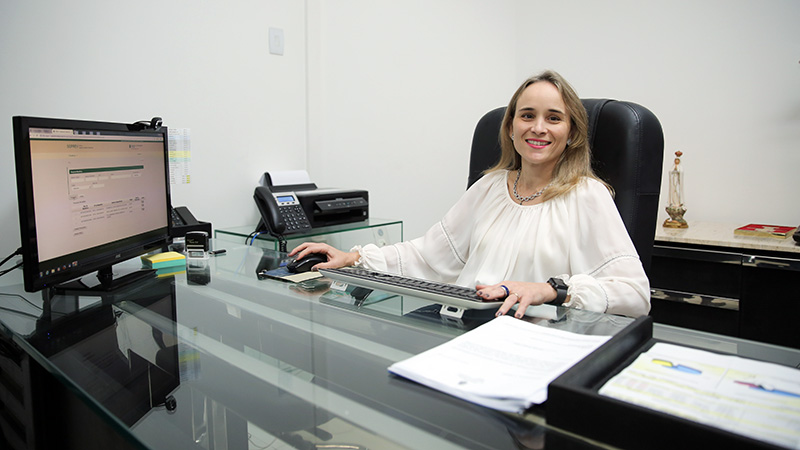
(281,240)
(17,252)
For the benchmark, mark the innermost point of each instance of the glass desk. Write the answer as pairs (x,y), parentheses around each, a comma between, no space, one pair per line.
(215,358)
(377,231)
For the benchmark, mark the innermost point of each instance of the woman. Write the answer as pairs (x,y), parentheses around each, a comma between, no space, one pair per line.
(538,221)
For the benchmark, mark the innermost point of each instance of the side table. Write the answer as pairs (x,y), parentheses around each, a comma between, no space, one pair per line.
(706,278)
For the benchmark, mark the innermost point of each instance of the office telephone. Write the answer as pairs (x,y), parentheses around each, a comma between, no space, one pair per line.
(281,212)
(181,216)
(183,221)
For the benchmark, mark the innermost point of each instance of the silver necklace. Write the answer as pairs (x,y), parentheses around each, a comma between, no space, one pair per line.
(530,197)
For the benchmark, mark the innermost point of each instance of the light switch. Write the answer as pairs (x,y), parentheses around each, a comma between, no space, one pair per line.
(276,41)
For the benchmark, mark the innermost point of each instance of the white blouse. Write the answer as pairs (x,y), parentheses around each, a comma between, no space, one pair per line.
(487,238)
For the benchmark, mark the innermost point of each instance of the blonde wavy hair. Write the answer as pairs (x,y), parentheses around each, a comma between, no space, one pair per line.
(576,160)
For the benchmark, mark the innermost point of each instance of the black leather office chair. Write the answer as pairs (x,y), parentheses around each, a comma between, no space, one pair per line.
(627,145)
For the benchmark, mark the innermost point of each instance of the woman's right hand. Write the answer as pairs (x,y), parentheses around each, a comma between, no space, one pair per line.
(336,258)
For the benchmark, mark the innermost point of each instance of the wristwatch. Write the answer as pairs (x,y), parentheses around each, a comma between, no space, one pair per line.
(561,290)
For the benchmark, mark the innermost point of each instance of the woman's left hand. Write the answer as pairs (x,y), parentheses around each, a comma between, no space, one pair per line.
(525,294)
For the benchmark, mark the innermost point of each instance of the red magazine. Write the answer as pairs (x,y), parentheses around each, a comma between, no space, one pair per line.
(773,231)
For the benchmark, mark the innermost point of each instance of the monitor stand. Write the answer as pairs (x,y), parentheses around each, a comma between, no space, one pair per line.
(108,279)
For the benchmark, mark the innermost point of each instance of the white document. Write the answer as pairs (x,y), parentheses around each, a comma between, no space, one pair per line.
(288,177)
(505,364)
(756,399)
(180,155)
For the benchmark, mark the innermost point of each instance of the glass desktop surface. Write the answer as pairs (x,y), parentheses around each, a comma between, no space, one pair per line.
(214,357)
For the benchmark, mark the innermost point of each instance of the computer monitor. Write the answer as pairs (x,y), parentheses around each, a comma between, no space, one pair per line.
(91,194)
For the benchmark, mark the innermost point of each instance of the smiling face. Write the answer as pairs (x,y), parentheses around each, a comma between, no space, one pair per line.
(541,125)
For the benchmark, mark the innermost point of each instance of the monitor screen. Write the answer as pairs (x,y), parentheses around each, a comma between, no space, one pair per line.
(91,194)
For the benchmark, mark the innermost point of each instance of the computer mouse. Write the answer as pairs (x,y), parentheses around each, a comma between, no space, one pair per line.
(306,263)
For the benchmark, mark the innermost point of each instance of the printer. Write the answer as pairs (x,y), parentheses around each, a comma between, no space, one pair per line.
(323,206)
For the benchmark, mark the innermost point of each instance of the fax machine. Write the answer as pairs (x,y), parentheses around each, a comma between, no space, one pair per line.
(324,206)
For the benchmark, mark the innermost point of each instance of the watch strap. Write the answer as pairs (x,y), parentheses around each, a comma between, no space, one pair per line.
(561,290)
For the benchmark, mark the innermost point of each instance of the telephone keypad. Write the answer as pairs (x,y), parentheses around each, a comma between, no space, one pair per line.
(295,218)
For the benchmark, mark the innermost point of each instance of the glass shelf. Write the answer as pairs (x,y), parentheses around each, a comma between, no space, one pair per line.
(344,236)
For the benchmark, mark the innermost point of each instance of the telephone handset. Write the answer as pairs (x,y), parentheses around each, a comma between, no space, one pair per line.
(281,212)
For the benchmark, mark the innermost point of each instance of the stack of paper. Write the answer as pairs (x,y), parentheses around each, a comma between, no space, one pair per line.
(162,260)
(505,364)
(166,264)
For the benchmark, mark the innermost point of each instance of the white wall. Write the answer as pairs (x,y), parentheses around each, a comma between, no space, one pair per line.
(395,90)
(199,65)
(721,75)
(384,95)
